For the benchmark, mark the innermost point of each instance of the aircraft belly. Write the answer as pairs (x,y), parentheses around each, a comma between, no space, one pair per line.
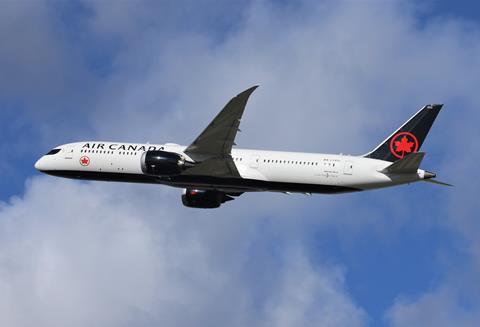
(254,185)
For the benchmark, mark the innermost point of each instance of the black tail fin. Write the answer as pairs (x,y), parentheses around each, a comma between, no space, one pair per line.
(409,137)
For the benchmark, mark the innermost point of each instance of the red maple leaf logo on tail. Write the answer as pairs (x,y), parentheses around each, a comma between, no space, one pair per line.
(403,143)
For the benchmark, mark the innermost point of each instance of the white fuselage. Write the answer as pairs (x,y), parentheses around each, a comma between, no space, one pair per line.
(260,170)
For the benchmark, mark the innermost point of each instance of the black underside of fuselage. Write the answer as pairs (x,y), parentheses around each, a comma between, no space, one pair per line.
(204,182)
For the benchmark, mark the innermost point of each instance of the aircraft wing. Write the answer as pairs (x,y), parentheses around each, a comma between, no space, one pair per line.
(217,139)
(212,148)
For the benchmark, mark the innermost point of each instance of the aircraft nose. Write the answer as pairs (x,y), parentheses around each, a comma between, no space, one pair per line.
(40,164)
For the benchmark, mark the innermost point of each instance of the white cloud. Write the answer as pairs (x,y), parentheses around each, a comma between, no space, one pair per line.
(441,307)
(319,67)
(335,77)
(311,298)
(76,254)
(363,67)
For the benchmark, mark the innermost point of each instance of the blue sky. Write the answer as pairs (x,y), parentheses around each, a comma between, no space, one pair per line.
(335,76)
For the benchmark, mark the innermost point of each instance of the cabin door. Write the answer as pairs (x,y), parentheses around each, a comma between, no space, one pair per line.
(254,161)
(348,168)
(69,151)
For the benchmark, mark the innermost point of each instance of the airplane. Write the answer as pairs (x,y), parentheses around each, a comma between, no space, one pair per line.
(212,172)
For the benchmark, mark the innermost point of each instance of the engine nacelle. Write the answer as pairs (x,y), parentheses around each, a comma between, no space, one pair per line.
(206,199)
(162,163)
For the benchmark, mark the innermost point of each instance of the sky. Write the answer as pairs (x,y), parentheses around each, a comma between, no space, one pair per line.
(334,76)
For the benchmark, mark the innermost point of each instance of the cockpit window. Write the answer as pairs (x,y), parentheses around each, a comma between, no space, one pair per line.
(54,151)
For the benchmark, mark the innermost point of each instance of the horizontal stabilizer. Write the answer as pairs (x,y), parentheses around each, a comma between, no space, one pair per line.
(433,181)
(408,165)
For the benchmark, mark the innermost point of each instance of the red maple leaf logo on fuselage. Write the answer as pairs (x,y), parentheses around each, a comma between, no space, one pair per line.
(84,161)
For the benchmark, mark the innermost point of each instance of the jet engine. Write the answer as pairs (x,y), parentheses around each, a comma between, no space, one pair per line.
(162,163)
(194,198)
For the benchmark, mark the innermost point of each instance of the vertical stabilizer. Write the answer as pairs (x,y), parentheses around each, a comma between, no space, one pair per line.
(409,137)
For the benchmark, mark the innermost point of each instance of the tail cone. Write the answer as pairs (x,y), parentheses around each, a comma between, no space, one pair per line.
(428,175)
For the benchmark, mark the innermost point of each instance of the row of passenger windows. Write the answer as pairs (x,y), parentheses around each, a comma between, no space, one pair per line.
(124,153)
(291,162)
